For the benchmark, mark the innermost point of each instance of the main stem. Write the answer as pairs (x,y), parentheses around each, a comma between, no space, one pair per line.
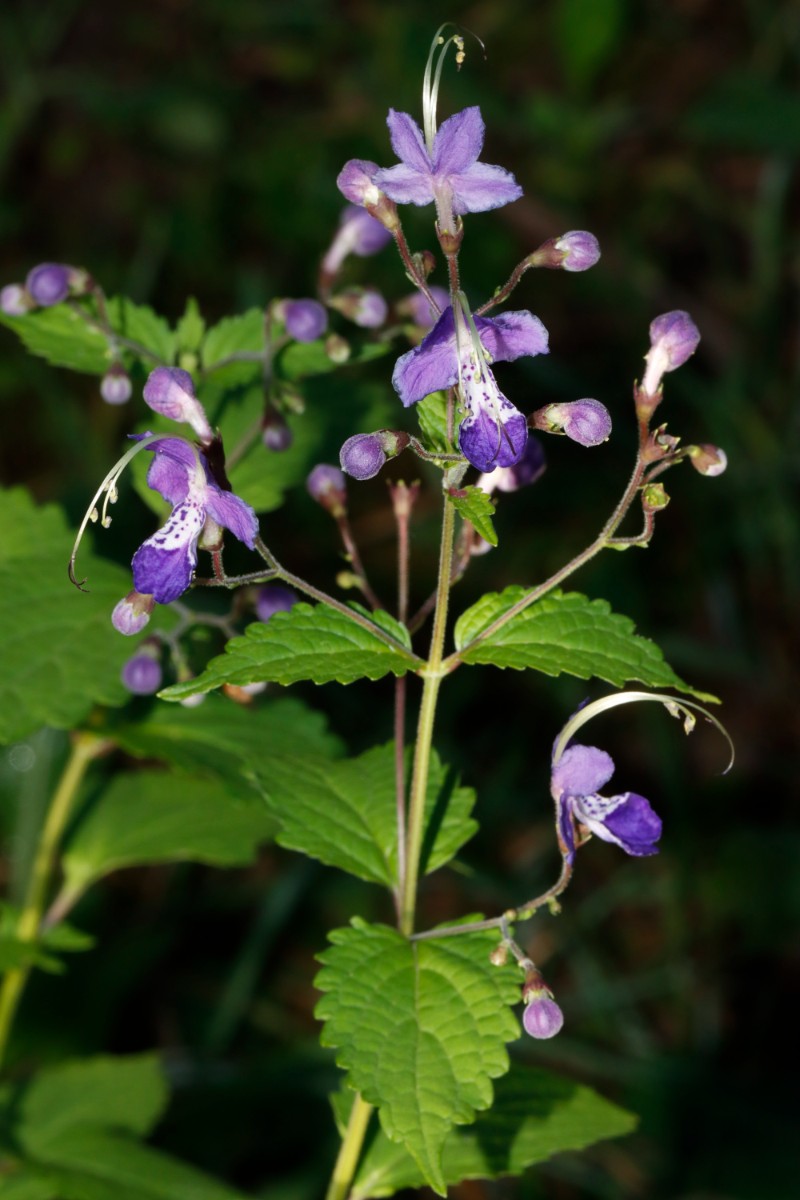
(349,1151)
(433,675)
(85,748)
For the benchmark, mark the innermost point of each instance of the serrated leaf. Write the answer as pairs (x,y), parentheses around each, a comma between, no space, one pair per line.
(163,816)
(190,329)
(565,633)
(298,360)
(60,653)
(125,1093)
(344,813)
(535,1115)
(227,741)
(475,506)
(143,326)
(308,642)
(432,417)
(62,337)
(421,1029)
(234,335)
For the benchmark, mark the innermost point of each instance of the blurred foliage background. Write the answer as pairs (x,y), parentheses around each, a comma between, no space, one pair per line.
(190,147)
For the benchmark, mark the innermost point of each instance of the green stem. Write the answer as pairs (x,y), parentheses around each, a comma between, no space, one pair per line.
(85,748)
(349,1151)
(432,673)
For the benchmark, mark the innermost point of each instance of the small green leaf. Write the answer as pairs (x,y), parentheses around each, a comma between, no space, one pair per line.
(127,1093)
(142,325)
(15,953)
(421,1029)
(61,655)
(190,329)
(308,642)
(344,813)
(565,633)
(163,816)
(62,939)
(298,360)
(475,506)
(234,335)
(62,337)
(432,416)
(535,1115)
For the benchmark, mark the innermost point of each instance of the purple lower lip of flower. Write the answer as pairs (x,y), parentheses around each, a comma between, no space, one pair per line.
(48,283)
(305,320)
(581,250)
(274,598)
(142,675)
(493,434)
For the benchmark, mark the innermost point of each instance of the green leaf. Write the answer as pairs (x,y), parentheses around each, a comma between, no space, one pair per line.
(344,813)
(62,337)
(190,329)
(27,1184)
(308,642)
(142,325)
(63,939)
(475,506)
(124,1093)
(227,741)
(162,816)
(15,953)
(565,632)
(535,1115)
(298,360)
(421,1029)
(61,655)
(432,416)
(234,335)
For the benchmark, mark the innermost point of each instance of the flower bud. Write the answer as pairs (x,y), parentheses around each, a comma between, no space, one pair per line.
(50,283)
(580,250)
(358,233)
(418,307)
(585,421)
(523,472)
(115,386)
(274,598)
(275,433)
(674,337)
(355,182)
(707,459)
(170,392)
(365,307)
(363,454)
(305,320)
(326,484)
(542,1017)
(132,613)
(654,497)
(337,348)
(142,674)
(15,301)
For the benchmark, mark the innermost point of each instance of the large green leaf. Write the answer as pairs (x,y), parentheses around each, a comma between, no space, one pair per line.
(63,338)
(344,813)
(565,633)
(226,740)
(163,816)
(308,642)
(234,335)
(420,1028)
(143,326)
(60,653)
(535,1115)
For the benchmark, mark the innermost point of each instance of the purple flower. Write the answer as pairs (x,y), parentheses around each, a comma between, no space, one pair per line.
(115,386)
(585,421)
(542,1017)
(356,181)
(580,250)
(14,300)
(274,599)
(448,171)
(419,307)
(49,283)
(525,471)
(305,320)
(365,307)
(674,337)
(327,485)
(626,819)
(170,392)
(358,233)
(362,455)
(142,674)
(164,564)
(132,613)
(493,433)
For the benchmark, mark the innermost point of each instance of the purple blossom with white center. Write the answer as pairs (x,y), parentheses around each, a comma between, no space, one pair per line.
(164,564)
(49,283)
(524,472)
(358,233)
(15,301)
(626,819)
(674,337)
(587,422)
(170,392)
(447,171)
(493,433)
(305,320)
(580,249)
(274,598)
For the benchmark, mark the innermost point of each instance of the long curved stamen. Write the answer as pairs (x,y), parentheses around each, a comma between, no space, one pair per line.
(430,89)
(481,359)
(674,707)
(109,487)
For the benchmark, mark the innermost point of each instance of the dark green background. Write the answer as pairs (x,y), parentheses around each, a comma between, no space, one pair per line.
(182,148)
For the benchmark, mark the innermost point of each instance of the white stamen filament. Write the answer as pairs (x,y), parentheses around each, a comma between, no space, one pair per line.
(430,90)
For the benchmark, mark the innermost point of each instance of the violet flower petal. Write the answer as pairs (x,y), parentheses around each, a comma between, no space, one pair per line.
(581,771)
(230,511)
(430,366)
(458,142)
(494,434)
(408,143)
(483,187)
(406,185)
(512,335)
(164,564)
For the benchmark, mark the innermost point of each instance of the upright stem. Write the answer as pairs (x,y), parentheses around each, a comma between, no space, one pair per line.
(433,675)
(349,1151)
(85,748)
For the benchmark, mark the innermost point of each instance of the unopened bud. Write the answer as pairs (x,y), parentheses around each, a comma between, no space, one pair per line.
(274,598)
(170,392)
(363,455)
(654,497)
(337,349)
(579,249)
(542,1017)
(305,320)
(275,433)
(355,182)
(585,421)
(132,613)
(326,484)
(50,283)
(115,386)
(365,307)
(674,337)
(707,459)
(142,674)
(15,300)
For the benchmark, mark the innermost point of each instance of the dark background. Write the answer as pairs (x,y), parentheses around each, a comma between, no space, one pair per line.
(179,148)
